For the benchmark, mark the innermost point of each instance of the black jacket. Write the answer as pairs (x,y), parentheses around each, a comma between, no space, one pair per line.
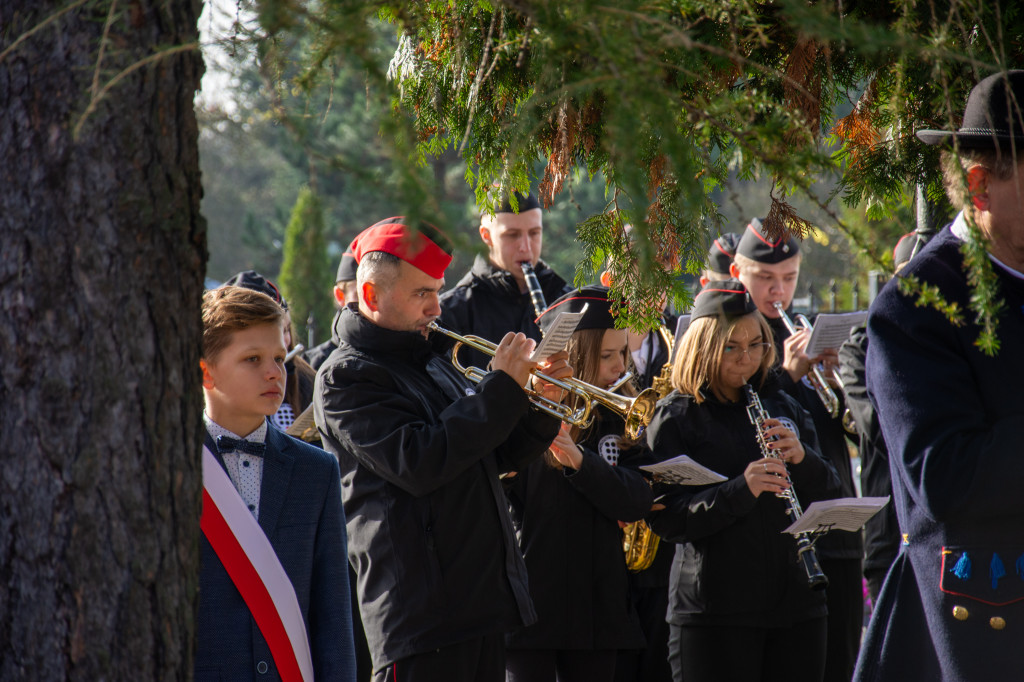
(882,531)
(428,526)
(487,302)
(733,564)
(837,544)
(567,523)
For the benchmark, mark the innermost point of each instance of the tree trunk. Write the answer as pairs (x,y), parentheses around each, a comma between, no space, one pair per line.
(102,256)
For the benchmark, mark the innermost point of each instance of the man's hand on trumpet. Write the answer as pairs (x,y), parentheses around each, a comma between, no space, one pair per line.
(512,356)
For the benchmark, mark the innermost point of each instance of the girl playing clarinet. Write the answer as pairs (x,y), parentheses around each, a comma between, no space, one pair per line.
(740,603)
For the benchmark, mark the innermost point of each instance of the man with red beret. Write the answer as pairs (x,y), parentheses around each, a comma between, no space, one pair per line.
(440,577)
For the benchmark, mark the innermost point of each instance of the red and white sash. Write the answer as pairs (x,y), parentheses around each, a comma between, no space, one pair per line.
(243,548)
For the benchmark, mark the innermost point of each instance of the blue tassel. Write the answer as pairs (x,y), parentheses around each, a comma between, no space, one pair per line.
(962,569)
(1020,566)
(996,570)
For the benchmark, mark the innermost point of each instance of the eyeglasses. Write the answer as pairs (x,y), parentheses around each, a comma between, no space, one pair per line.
(754,351)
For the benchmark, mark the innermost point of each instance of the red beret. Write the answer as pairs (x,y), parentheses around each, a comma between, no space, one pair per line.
(419,248)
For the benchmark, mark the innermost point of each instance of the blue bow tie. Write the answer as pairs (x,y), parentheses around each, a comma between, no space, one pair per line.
(229,444)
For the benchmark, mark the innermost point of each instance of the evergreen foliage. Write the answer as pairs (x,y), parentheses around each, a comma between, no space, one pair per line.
(669,98)
(307,275)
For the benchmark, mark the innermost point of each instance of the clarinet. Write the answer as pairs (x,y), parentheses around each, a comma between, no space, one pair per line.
(816,579)
(536,293)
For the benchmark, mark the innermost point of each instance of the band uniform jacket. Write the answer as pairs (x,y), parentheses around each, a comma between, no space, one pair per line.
(567,524)
(421,449)
(953,419)
(882,531)
(487,302)
(733,564)
(301,514)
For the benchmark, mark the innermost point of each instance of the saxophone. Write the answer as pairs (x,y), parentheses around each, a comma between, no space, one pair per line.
(816,579)
(639,542)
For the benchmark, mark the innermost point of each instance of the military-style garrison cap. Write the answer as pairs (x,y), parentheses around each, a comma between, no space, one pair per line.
(526,203)
(595,298)
(755,245)
(721,252)
(426,248)
(722,299)
(993,118)
(348,265)
(250,279)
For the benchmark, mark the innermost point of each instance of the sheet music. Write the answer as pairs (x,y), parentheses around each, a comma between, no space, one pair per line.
(557,337)
(682,470)
(832,329)
(846,513)
(681,326)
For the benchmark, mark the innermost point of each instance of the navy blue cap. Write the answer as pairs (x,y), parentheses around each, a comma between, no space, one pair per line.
(722,299)
(721,252)
(755,245)
(595,298)
(250,279)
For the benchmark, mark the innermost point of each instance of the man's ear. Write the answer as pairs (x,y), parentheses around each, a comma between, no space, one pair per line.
(369,296)
(485,236)
(704,280)
(734,271)
(977,186)
(339,295)
(207,377)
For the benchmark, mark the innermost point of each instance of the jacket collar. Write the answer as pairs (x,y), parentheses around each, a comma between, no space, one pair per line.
(487,273)
(353,329)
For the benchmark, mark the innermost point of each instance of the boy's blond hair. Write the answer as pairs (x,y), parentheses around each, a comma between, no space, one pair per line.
(230,309)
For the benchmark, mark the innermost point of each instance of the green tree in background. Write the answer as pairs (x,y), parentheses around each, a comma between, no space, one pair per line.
(670,98)
(307,274)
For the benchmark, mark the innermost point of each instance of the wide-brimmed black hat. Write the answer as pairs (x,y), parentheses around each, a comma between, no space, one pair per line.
(994,117)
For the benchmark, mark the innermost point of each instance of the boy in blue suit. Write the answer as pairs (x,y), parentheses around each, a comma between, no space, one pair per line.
(274,597)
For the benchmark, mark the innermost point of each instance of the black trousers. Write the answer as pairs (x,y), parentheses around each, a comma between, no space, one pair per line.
(737,654)
(651,663)
(476,660)
(560,665)
(845,595)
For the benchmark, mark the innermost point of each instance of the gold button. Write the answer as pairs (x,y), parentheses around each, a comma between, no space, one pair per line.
(997,623)
(960,613)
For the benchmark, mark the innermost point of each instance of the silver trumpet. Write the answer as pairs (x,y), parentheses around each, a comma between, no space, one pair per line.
(825,393)
(635,412)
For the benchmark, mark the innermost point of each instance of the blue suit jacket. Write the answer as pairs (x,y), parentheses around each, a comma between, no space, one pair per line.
(301,513)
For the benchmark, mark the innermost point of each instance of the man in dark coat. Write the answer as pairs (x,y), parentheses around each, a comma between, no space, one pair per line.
(344,293)
(493,297)
(952,606)
(770,269)
(440,579)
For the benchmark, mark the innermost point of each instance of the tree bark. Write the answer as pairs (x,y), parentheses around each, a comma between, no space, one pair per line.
(102,257)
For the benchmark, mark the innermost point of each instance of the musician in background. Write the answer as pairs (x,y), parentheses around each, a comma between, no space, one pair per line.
(566,509)
(649,353)
(952,417)
(344,293)
(441,579)
(770,269)
(493,297)
(720,256)
(882,531)
(740,604)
